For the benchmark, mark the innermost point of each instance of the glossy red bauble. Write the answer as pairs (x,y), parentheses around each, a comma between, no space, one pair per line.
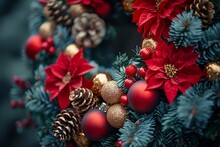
(124,100)
(131,70)
(145,53)
(13,104)
(129,82)
(142,71)
(142,100)
(95,125)
(33,46)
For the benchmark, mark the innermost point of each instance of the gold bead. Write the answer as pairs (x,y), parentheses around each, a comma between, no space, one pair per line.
(46,29)
(213,70)
(99,80)
(127,5)
(77,10)
(111,93)
(71,50)
(149,43)
(116,115)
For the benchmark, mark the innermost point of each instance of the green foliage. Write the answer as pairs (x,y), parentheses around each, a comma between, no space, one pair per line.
(209,46)
(62,37)
(110,140)
(51,141)
(139,133)
(38,102)
(35,18)
(185,29)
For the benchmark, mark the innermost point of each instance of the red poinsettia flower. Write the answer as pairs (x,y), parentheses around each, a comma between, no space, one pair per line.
(155,16)
(172,69)
(65,75)
(101,7)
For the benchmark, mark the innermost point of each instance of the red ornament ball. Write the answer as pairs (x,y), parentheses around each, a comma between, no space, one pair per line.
(118,143)
(33,46)
(142,71)
(95,125)
(13,104)
(142,100)
(131,70)
(129,82)
(124,100)
(145,53)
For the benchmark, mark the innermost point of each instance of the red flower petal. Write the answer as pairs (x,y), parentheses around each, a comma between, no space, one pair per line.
(170,91)
(63,98)
(154,83)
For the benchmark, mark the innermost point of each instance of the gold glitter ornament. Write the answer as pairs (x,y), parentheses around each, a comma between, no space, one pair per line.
(111,93)
(46,29)
(116,115)
(127,5)
(78,9)
(71,50)
(149,43)
(213,70)
(99,80)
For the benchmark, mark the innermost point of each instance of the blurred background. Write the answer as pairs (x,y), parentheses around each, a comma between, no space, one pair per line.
(13,34)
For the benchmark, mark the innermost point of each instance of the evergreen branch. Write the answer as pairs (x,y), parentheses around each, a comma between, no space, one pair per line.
(49,140)
(38,102)
(139,133)
(110,140)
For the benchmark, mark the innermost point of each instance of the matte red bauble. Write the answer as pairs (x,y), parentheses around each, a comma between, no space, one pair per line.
(33,46)
(95,125)
(142,100)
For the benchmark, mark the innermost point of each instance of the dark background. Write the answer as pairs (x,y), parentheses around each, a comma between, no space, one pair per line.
(13,33)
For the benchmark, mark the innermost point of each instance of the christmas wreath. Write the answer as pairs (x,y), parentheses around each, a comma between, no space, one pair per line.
(166,94)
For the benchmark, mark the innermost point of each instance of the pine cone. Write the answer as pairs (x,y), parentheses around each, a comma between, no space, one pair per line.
(83,100)
(57,11)
(205,10)
(67,124)
(88,30)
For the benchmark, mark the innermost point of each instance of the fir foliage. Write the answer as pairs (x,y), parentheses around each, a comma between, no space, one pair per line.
(136,59)
(38,102)
(209,47)
(62,37)
(110,140)
(185,29)
(35,18)
(139,133)
(51,141)
(213,130)
(194,110)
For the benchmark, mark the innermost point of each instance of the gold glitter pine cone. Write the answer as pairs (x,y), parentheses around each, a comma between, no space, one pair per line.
(66,125)
(83,99)
(57,12)
(203,9)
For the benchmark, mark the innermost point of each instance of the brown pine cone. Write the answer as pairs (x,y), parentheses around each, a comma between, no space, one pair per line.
(57,12)
(83,100)
(88,30)
(67,124)
(203,9)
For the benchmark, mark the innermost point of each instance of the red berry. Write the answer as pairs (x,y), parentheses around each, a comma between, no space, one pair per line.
(145,53)
(51,50)
(13,104)
(129,82)
(131,70)
(43,2)
(124,100)
(19,124)
(20,103)
(142,71)
(50,41)
(45,45)
(118,143)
